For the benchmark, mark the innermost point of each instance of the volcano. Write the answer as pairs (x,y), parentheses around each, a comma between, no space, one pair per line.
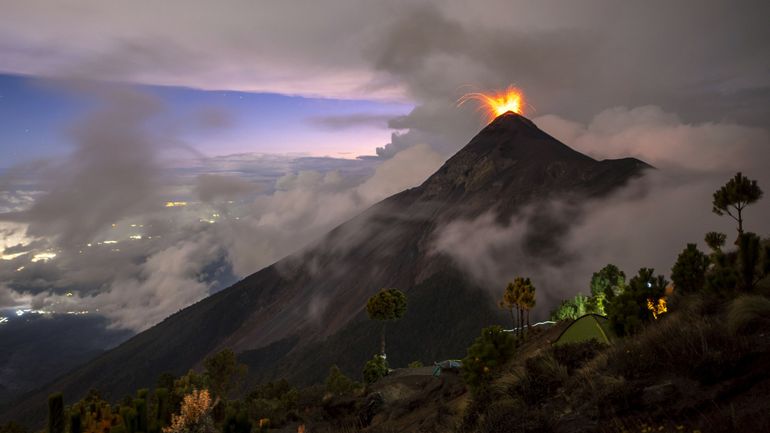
(299,316)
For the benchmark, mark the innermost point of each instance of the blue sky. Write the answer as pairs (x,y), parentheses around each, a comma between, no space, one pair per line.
(36,115)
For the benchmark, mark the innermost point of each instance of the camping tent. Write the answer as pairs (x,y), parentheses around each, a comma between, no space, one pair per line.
(584,328)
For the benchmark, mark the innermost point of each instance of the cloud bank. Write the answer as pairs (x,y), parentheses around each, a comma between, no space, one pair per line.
(645,224)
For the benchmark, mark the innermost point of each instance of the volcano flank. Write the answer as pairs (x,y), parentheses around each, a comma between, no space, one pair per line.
(297,317)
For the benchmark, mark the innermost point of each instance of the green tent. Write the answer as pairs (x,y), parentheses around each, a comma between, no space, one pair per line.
(588,327)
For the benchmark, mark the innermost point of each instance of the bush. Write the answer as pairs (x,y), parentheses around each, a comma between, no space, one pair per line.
(276,401)
(337,383)
(574,355)
(628,312)
(747,314)
(502,417)
(375,369)
(693,346)
(56,413)
(542,376)
(689,271)
(415,364)
(486,355)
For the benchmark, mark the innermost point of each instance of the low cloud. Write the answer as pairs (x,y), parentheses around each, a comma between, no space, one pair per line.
(90,232)
(213,187)
(114,172)
(351,121)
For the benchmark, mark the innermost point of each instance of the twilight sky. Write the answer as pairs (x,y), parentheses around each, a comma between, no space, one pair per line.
(255,112)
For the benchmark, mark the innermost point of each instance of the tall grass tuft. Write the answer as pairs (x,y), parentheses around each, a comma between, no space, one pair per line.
(747,314)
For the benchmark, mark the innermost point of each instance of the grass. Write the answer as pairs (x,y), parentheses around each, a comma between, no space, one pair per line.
(695,369)
(748,314)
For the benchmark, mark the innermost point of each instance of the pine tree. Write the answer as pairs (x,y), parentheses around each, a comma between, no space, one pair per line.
(734,196)
(689,271)
(56,413)
(386,305)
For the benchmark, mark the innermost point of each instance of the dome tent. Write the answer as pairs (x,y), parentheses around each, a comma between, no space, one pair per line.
(587,327)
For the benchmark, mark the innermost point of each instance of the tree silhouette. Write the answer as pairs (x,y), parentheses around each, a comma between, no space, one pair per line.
(56,413)
(734,196)
(629,311)
(510,301)
(516,295)
(716,241)
(223,372)
(689,271)
(605,285)
(386,305)
(527,299)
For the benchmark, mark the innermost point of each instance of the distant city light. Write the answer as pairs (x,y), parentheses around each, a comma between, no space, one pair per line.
(110,242)
(176,203)
(137,237)
(19,313)
(3,319)
(11,256)
(20,268)
(43,257)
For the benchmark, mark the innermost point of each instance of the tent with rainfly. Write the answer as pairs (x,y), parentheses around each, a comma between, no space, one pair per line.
(585,328)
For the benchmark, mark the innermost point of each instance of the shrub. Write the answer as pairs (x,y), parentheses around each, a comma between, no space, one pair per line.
(375,369)
(689,271)
(748,313)
(628,312)
(502,417)
(337,383)
(486,355)
(415,364)
(276,401)
(574,355)
(56,413)
(194,415)
(696,347)
(542,376)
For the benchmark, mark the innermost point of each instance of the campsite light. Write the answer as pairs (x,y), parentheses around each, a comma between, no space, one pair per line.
(657,308)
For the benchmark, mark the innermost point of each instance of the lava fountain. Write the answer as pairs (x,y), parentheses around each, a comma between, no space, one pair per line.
(495,104)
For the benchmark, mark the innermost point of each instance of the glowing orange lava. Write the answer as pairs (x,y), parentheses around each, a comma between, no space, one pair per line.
(493,105)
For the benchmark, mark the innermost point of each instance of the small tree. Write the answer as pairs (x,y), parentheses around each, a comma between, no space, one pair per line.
(194,415)
(689,271)
(753,260)
(375,369)
(56,413)
(630,310)
(140,406)
(510,301)
(527,299)
(734,196)
(386,305)
(716,241)
(75,422)
(162,406)
(223,372)
(515,296)
(337,383)
(605,285)
(486,355)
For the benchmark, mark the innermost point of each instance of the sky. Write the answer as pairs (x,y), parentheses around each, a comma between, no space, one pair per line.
(277,121)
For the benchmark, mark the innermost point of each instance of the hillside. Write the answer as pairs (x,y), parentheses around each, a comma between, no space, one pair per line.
(296,317)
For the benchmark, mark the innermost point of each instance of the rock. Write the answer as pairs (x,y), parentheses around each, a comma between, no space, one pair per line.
(656,395)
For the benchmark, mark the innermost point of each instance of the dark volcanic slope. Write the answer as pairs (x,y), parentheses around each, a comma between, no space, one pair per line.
(302,314)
